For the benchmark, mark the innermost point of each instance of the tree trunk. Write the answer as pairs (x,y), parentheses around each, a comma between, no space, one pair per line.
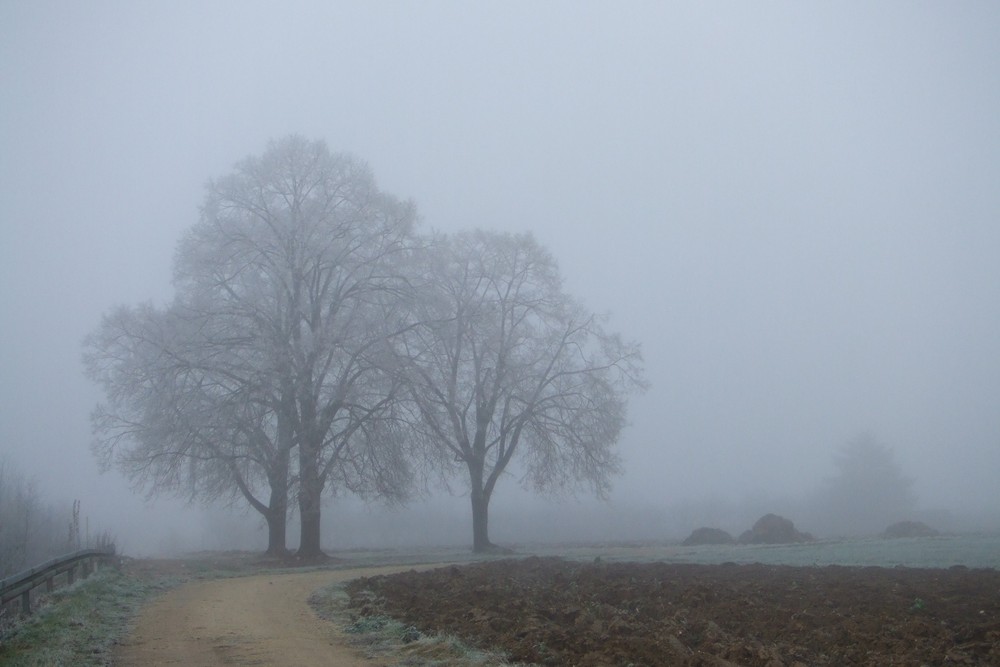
(310,495)
(276,532)
(480,511)
(309,543)
(480,520)
(277,508)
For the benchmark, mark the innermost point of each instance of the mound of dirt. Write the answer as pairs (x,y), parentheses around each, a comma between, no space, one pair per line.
(708,536)
(909,529)
(553,612)
(774,529)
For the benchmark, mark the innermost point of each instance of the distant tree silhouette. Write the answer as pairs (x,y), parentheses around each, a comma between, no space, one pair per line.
(868,491)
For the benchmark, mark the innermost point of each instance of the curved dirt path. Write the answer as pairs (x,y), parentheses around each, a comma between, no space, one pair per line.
(255,620)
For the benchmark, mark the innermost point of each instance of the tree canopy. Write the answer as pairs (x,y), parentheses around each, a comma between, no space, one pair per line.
(274,342)
(505,364)
(316,345)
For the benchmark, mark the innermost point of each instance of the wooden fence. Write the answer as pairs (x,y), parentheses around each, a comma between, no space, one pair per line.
(50,574)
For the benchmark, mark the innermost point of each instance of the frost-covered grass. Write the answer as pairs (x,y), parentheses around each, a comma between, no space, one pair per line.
(971,550)
(975,551)
(393,643)
(79,624)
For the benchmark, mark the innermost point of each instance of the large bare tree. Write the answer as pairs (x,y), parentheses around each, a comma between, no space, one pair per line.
(505,364)
(290,285)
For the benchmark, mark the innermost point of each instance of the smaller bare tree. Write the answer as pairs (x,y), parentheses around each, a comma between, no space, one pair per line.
(505,364)
(187,413)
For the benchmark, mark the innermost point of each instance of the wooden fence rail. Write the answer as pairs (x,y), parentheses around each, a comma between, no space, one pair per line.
(19,586)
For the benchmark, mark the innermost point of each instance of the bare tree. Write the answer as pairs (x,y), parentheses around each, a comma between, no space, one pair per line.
(505,364)
(189,413)
(301,245)
(288,293)
(30,531)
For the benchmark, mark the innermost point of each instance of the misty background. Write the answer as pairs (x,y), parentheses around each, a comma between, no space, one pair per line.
(793,207)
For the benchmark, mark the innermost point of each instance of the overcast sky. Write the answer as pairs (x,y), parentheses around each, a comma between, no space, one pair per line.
(795,207)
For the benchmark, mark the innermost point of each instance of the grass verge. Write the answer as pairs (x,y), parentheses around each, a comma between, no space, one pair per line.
(395,644)
(80,624)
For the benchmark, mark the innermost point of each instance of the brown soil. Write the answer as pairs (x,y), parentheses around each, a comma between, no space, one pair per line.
(554,612)
(247,620)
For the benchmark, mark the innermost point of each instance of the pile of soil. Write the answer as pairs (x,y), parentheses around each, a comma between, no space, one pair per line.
(708,536)
(554,612)
(774,529)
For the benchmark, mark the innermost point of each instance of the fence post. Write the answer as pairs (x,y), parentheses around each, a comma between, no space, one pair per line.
(26,602)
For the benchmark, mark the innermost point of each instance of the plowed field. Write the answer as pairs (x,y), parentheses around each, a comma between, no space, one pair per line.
(554,612)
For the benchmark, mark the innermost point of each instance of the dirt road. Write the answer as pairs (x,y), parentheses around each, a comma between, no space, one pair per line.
(257,620)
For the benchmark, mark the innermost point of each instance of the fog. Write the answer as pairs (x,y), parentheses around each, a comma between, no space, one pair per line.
(794,207)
